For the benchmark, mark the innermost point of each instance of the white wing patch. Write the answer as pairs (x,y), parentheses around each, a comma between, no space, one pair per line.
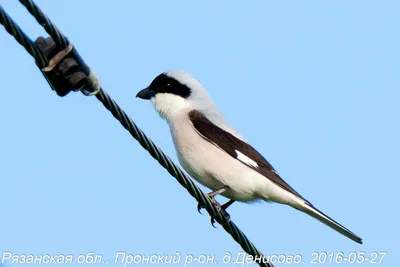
(243,158)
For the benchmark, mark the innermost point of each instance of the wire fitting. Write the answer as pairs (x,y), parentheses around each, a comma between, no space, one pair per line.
(66,70)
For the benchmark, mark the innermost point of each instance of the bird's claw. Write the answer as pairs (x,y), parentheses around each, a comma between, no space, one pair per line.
(213,222)
(199,207)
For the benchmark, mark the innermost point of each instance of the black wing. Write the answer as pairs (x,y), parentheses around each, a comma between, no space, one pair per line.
(235,147)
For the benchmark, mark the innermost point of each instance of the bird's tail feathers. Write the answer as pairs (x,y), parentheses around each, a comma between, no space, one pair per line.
(319,215)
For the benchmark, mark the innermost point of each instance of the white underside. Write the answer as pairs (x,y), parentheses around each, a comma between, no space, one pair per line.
(214,168)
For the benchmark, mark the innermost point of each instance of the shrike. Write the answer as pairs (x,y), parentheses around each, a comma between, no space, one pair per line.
(214,153)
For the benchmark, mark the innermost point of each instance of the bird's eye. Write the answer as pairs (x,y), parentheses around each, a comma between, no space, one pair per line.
(169,85)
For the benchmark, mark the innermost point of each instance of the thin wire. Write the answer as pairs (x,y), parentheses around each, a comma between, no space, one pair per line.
(145,142)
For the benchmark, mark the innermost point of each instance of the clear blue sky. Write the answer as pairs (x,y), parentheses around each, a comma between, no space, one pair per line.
(314,86)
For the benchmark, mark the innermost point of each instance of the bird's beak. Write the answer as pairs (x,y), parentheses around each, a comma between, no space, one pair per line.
(145,94)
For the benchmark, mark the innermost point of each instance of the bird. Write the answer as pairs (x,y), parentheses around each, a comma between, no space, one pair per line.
(212,152)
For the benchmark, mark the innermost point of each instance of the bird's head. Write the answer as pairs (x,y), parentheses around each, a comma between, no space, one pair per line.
(175,91)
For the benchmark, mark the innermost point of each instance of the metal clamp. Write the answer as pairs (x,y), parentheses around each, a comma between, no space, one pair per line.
(66,70)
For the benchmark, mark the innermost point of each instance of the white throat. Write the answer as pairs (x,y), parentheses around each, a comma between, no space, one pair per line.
(169,105)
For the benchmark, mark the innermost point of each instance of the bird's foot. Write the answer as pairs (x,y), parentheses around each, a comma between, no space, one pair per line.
(220,209)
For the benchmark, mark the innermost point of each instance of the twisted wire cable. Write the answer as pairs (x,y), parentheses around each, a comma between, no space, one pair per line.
(43,20)
(13,29)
